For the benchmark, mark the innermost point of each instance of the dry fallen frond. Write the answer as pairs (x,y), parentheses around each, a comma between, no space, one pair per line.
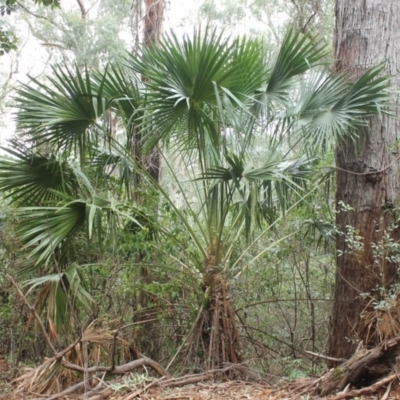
(380,324)
(46,378)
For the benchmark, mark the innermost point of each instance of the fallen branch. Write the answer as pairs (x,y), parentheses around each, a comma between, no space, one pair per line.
(367,390)
(107,371)
(183,381)
(120,369)
(70,390)
(104,370)
(180,381)
(140,391)
(367,366)
(322,356)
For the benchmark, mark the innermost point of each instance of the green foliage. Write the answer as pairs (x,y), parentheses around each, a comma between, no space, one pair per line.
(92,39)
(8,41)
(271,19)
(47,3)
(105,239)
(61,113)
(30,178)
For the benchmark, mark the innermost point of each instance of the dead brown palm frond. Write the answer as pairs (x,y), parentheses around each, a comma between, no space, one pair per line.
(46,378)
(380,323)
(101,341)
(52,377)
(75,356)
(97,332)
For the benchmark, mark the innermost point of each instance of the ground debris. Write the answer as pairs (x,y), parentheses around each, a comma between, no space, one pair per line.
(370,374)
(209,391)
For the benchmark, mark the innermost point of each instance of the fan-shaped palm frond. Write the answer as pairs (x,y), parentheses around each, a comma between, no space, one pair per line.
(330,109)
(124,91)
(60,111)
(256,194)
(297,55)
(185,80)
(46,231)
(30,178)
(45,228)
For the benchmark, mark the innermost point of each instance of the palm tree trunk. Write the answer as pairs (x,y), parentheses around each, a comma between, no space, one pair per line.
(220,334)
(215,338)
(367,32)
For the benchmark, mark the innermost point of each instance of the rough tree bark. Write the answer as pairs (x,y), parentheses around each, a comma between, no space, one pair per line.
(367,33)
(153,21)
(154,15)
(146,303)
(154,10)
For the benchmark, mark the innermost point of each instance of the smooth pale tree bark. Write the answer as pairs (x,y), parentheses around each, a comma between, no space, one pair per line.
(368,178)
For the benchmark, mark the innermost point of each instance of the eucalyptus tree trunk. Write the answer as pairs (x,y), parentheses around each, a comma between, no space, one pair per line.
(154,15)
(153,20)
(148,305)
(152,29)
(367,33)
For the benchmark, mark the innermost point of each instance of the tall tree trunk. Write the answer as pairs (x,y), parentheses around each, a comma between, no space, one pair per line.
(367,33)
(154,10)
(153,20)
(147,303)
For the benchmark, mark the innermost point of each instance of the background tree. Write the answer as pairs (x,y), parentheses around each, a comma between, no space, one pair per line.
(368,190)
(82,32)
(272,18)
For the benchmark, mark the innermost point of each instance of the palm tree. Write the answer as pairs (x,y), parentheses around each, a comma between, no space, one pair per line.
(205,101)
(210,100)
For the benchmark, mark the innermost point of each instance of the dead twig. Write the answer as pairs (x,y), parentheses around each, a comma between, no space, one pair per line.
(59,356)
(322,356)
(140,391)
